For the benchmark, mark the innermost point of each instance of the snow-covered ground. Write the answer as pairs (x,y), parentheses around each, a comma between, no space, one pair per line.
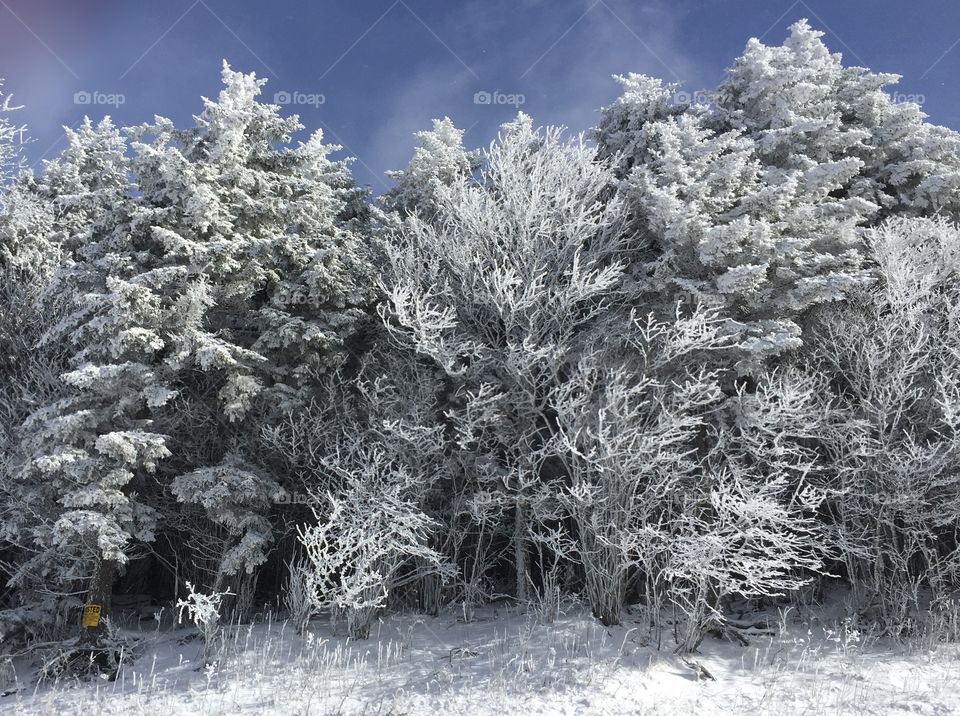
(506,662)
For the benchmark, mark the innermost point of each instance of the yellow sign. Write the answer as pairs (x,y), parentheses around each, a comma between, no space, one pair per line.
(91,616)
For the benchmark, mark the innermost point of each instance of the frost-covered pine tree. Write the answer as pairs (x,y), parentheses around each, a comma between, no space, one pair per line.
(29,376)
(715,224)
(438,160)
(756,201)
(51,217)
(29,254)
(256,251)
(79,451)
(803,109)
(261,245)
(237,497)
(12,136)
(212,294)
(29,251)
(85,183)
(48,220)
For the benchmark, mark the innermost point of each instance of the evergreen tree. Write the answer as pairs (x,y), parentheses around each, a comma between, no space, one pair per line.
(438,160)
(717,226)
(257,254)
(803,110)
(64,474)
(212,295)
(12,138)
(755,203)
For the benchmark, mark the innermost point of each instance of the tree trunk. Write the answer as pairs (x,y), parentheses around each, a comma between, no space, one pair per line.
(520,553)
(98,603)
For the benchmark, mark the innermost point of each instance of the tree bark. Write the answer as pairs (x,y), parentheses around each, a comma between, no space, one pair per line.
(520,552)
(99,594)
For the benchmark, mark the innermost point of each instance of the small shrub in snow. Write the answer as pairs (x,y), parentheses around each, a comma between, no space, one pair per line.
(366,534)
(204,611)
(297,596)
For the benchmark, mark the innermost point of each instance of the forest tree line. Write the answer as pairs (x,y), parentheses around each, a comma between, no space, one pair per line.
(703,354)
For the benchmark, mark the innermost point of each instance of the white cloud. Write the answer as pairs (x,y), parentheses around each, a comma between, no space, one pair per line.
(563,73)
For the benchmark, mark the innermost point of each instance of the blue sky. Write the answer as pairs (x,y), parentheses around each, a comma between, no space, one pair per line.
(384,68)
